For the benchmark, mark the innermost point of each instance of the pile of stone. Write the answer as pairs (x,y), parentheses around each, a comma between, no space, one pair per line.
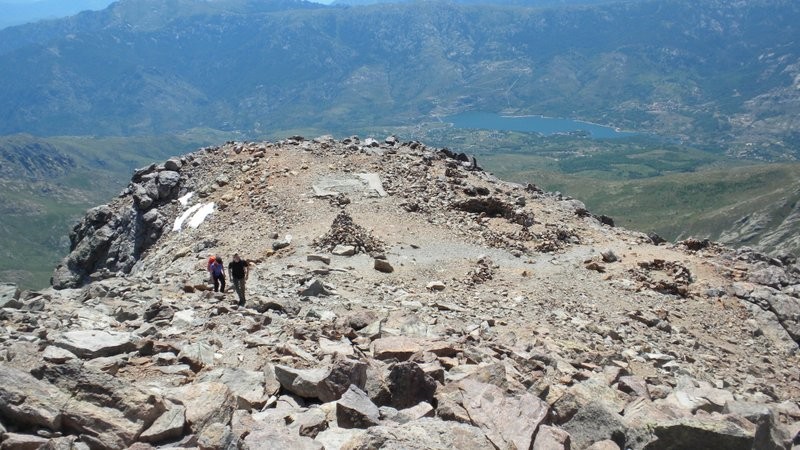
(345,232)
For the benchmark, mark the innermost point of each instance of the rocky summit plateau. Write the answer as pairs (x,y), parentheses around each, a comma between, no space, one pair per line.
(399,297)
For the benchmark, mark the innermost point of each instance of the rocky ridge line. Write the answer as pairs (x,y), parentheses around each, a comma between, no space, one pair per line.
(510,318)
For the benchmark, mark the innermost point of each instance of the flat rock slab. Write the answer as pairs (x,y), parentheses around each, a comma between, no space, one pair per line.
(96,343)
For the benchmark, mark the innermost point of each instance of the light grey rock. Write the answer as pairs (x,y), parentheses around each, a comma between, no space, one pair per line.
(355,410)
(551,438)
(436,286)
(246,385)
(344,250)
(754,412)
(95,343)
(321,258)
(18,441)
(769,276)
(217,437)
(416,412)
(336,438)
(197,355)
(102,405)
(397,347)
(206,403)
(327,383)
(57,355)
(581,394)
(24,400)
(9,296)
(508,421)
(695,398)
(634,385)
(166,427)
(607,444)
(309,423)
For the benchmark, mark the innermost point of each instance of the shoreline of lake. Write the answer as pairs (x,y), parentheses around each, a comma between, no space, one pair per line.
(533,123)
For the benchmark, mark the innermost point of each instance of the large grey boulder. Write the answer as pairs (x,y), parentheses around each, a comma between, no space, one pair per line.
(96,343)
(167,426)
(356,410)
(26,401)
(326,384)
(246,385)
(206,403)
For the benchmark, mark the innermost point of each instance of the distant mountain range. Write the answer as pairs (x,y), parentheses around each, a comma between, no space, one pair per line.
(20,12)
(717,73)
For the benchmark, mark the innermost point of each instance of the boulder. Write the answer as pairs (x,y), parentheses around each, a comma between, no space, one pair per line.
(313,288)
(168,426)
(9,296)
(508,421)
(57,355)
(90,344)
(551,438)
(326,384)
(382,265)
(397,347)
(173,164)
(246,385)
(583,393)
(26,401)
(596,422)
(409,385)
(355,410)
(697,432)
(206,403)
(17,441)
(309,423)
(416,412)
(110,411)
(217,437)
(197,355)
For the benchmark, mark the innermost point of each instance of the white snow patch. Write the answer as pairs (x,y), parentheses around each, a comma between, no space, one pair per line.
(182,218)
(201,215)
(185,199)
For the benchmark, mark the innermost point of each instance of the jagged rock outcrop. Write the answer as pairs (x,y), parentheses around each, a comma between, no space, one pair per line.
(111,238)
(517,321)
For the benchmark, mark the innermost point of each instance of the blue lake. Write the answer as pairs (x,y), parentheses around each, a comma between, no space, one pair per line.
(532,124)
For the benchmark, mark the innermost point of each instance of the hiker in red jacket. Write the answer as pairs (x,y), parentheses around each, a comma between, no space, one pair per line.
(217,270)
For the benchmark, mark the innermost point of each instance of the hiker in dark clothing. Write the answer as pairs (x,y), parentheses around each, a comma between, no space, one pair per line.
(218,274)
(239,273)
